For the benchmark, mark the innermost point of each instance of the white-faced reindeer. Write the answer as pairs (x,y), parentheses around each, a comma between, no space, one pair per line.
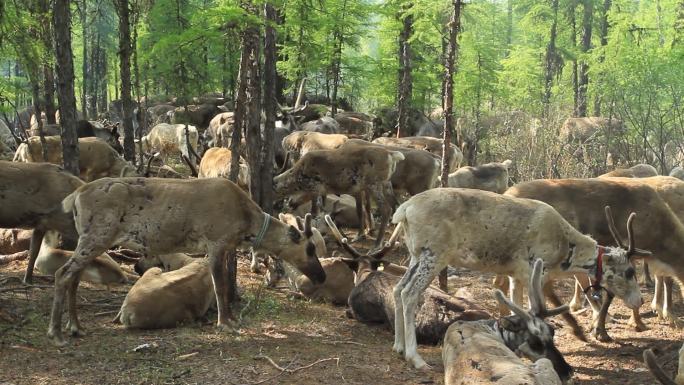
(371,300)
(485,352)
(580,201)
(489,232)
(30,197)
(659,373)
(163,216)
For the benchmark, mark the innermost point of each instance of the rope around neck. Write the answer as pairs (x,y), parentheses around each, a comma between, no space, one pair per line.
(264,227)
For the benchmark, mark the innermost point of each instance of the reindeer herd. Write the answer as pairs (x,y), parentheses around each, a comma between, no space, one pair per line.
(530,235)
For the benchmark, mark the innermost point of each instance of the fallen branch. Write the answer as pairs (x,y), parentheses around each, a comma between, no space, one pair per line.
(343,342)
(121,257)
(286,370)
(130,253)
(26,287)
(5,259)
(105,313)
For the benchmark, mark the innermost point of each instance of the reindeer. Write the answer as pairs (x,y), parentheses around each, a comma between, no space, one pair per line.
(431,145)
(97,159)
(30,197)
(298,143)
(371,300)
(350,170)
(485,352)
(165,299)
(489,177)
(489,232)
(659,373)
(580,201)
(162,216)
(637,171)
(215,163)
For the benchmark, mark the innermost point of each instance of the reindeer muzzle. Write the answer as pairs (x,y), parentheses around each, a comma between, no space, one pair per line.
(314,271)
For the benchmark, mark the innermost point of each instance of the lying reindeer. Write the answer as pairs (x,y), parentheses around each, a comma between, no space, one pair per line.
(371,300)
(165,299)
(495,233)
(162,216)
(485,352)
(659,373)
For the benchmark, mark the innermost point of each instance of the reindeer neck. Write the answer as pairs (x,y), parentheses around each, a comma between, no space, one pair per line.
(274,234)
(580,257)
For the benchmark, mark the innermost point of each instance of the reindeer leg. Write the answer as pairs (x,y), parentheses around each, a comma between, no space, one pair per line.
(73,326)
(359,214)
(34,248)
(517,287)
(657,303)
(368,212)
(399,342)
(501,282)
(646,276)
(667,304)
(567,317)
(254,265)
(424,272)
(384,196)
(577,302)
(66,283)
(219,275)
(599,324)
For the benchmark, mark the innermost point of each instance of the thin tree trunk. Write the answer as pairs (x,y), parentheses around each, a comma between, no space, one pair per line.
(583,84)
(550,59)
(61,23)
(270,106)
(573,39)
(604,41)
(85,82)
(125,68)
(338,40)
(48,73)
(141,116)
(448,104)
(405,80)
(678,24)
(509,26)
(35,86)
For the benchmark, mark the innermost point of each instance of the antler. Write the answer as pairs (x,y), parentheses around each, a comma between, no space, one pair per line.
(377,254)
(307,225)
(519,311)
(630,233)
(536,295)
(611,226)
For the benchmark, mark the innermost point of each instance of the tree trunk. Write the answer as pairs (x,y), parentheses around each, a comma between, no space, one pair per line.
(573,39)
(61,23)
(35,86)
(338,40)
(405,81)
(85,82)
(448,103)
(678,24)
(270,106)
(125,67)
(141,116)
(252,123)
(550,59)
(48,73)
(583,83)
(604,41)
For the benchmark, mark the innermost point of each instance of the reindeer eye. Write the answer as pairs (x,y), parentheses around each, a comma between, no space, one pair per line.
(629,273)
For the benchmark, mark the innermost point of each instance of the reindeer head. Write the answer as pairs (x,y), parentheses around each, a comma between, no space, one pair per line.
(362,264)
(300,247)
(614,268)
(526,332)
(305,175)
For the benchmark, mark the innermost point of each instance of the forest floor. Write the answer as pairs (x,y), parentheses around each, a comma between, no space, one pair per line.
(291,332)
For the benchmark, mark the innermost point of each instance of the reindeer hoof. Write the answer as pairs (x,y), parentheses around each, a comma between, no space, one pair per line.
(398,349)
(57,339)
(601,336)
(638,326)
(674,321)
(228,327)
(419,364)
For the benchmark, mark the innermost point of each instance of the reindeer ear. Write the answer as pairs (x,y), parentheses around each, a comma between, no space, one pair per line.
(294,234)
(511,323)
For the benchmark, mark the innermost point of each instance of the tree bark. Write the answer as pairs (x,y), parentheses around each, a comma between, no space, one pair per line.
(604,41)
(583,84)
(61,23)
(550,59)
(85,82)
(405,80)
(338,40)
(123,12)
(48,73)
(448,103)
(573,39)
(270,106)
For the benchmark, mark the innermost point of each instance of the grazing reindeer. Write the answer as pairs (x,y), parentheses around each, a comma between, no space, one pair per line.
(352,170)
(659,373)
(489,232)
(484,352)
(371,300)
(163,216)
(30,197)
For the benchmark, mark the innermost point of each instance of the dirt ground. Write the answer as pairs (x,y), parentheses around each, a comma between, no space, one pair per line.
(292,332)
